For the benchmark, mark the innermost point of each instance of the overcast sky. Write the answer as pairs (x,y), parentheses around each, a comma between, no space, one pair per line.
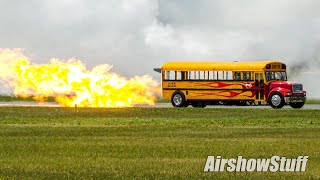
(137,35)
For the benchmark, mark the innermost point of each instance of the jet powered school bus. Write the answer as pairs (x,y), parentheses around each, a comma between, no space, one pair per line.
(234,83)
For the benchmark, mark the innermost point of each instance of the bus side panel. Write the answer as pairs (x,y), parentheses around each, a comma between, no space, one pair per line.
(213,94)
(211,90)
(166,94)
(207,85)
(221,95)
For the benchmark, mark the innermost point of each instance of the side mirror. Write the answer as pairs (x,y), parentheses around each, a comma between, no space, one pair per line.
(157,70)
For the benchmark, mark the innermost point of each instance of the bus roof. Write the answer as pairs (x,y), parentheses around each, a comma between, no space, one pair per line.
(219,66)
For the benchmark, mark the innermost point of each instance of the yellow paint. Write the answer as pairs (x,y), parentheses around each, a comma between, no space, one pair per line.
(219,66)
(213,95)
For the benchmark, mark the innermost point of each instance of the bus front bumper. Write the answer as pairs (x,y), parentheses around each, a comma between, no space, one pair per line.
(291,99)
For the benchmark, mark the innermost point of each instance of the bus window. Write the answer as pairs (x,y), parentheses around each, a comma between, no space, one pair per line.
(201,75)
(179,75)
(167,75)
(190,75)
(193,75)
(184,75)
(210,75)
(246,75)
(237,76)
(228,75)
(170,75)
(220,75)
(270,76)
(261,81)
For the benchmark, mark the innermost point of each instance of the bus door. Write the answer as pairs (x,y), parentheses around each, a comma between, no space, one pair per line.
(259,86)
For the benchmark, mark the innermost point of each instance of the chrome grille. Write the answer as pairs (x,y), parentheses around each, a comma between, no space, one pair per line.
(297,88)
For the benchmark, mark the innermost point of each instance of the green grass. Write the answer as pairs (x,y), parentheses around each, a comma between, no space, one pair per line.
(151,143)
(4,98)
(13,98)
(313,101)
(161,100)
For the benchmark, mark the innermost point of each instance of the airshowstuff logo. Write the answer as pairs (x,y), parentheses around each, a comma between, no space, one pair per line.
(240,164)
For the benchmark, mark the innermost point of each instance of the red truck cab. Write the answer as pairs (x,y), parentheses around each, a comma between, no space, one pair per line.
(282,92)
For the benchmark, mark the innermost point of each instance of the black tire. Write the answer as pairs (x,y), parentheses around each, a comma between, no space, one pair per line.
(276,100)
(249,103)
(198,104)
(296,105)
(178,99)
(186,104)
(221,103)
(194,104)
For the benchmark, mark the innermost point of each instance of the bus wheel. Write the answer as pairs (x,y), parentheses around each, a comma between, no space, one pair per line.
(296,105)
(194,104)
(276,100)
(249,103)
(203,105)
(186,104)
(178,99)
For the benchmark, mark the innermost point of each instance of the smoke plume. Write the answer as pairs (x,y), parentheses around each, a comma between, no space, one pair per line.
(137,35)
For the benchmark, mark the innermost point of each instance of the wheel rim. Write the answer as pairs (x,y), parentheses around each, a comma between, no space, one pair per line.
(177,99)
(276,100)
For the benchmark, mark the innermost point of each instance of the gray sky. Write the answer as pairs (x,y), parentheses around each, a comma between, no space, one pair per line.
(137,35)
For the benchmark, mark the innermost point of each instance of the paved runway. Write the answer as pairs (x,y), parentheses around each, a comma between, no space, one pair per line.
(31,104)
(157,105)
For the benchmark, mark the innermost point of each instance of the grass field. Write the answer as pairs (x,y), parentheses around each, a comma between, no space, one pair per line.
(151,143)
(313,101)
(4,98)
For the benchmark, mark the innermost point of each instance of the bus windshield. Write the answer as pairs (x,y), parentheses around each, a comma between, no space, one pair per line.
(271,76)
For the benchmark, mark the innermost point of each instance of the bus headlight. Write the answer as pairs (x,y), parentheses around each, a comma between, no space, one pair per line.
(304,93)
(288,94)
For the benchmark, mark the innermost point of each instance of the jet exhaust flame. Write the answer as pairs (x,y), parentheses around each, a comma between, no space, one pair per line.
(72,84)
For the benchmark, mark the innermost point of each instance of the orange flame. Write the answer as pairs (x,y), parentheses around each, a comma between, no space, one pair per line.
(71,83)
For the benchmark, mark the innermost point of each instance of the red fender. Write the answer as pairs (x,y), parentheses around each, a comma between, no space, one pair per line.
(282,91)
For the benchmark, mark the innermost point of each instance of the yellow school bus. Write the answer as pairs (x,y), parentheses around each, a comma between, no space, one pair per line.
(234,83)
